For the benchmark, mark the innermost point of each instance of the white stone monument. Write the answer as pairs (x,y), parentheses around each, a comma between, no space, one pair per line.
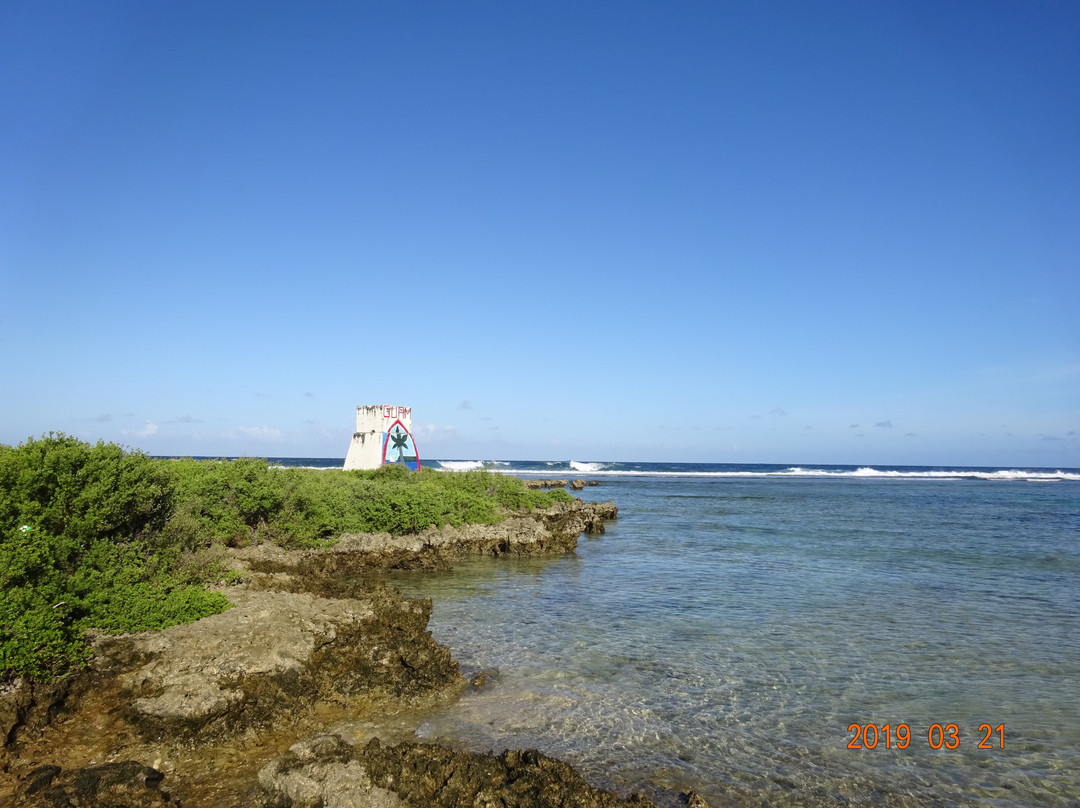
(383,435)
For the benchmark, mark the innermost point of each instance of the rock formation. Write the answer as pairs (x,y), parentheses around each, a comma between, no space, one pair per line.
(327,771)
(307,640)
(124,784)
(273,655)
(552,531)
(535,483)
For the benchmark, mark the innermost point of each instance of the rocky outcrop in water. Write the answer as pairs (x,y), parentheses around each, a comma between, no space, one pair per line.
(307,636)
(576,485)
(297,634)
(327,771)
(535,483)
(548,532)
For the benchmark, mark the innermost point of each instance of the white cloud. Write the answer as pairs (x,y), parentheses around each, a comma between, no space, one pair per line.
(261,432)
(431,429)
(148,429)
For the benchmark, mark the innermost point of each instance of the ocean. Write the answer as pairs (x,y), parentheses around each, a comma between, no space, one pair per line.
(786,636)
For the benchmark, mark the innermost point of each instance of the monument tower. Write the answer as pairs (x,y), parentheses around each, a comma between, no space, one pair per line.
(383,435)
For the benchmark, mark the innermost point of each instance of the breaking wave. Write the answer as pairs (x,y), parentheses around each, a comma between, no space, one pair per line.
(940,474)
(721,470)
(460,465)
(700,470)
(586,468)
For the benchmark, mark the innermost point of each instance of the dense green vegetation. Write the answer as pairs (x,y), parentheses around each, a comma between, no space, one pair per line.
(99,537)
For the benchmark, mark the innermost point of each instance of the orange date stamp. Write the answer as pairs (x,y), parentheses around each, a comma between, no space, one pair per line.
(938,736)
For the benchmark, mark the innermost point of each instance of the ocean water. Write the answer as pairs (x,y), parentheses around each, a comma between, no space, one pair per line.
(735,622)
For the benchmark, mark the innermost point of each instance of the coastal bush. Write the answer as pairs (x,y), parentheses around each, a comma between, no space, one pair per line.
(400,501)
(78,493)
(80,548)
(509,492)
(248,501)
(100,537)
(221,501)
(394,499)
(37,636)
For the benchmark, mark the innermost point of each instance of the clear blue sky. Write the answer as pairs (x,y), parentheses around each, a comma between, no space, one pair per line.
(837,232)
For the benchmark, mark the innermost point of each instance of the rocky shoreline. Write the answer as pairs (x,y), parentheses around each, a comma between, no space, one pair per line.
(233,710)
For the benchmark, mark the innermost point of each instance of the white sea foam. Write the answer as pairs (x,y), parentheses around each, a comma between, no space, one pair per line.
(1020,475)
(586,468)
(461,465)
(939,474)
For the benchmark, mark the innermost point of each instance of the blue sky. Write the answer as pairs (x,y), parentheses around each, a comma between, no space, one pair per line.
(805,232)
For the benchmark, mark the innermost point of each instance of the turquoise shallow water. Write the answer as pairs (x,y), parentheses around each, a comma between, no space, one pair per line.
(726,631)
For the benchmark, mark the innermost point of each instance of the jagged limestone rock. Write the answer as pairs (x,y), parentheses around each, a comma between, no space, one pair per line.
(327,771)
(551,531)
(274,654)
(305,632)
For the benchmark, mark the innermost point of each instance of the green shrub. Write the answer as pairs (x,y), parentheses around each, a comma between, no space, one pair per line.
(76,492)
(242,501)
(80,547)
(37,636)
(105,538)
(221,501)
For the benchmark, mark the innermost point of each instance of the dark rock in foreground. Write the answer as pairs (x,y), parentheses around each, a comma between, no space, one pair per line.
(305,630)
(326,770)
(271,657)
(28,704)
(124,784)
